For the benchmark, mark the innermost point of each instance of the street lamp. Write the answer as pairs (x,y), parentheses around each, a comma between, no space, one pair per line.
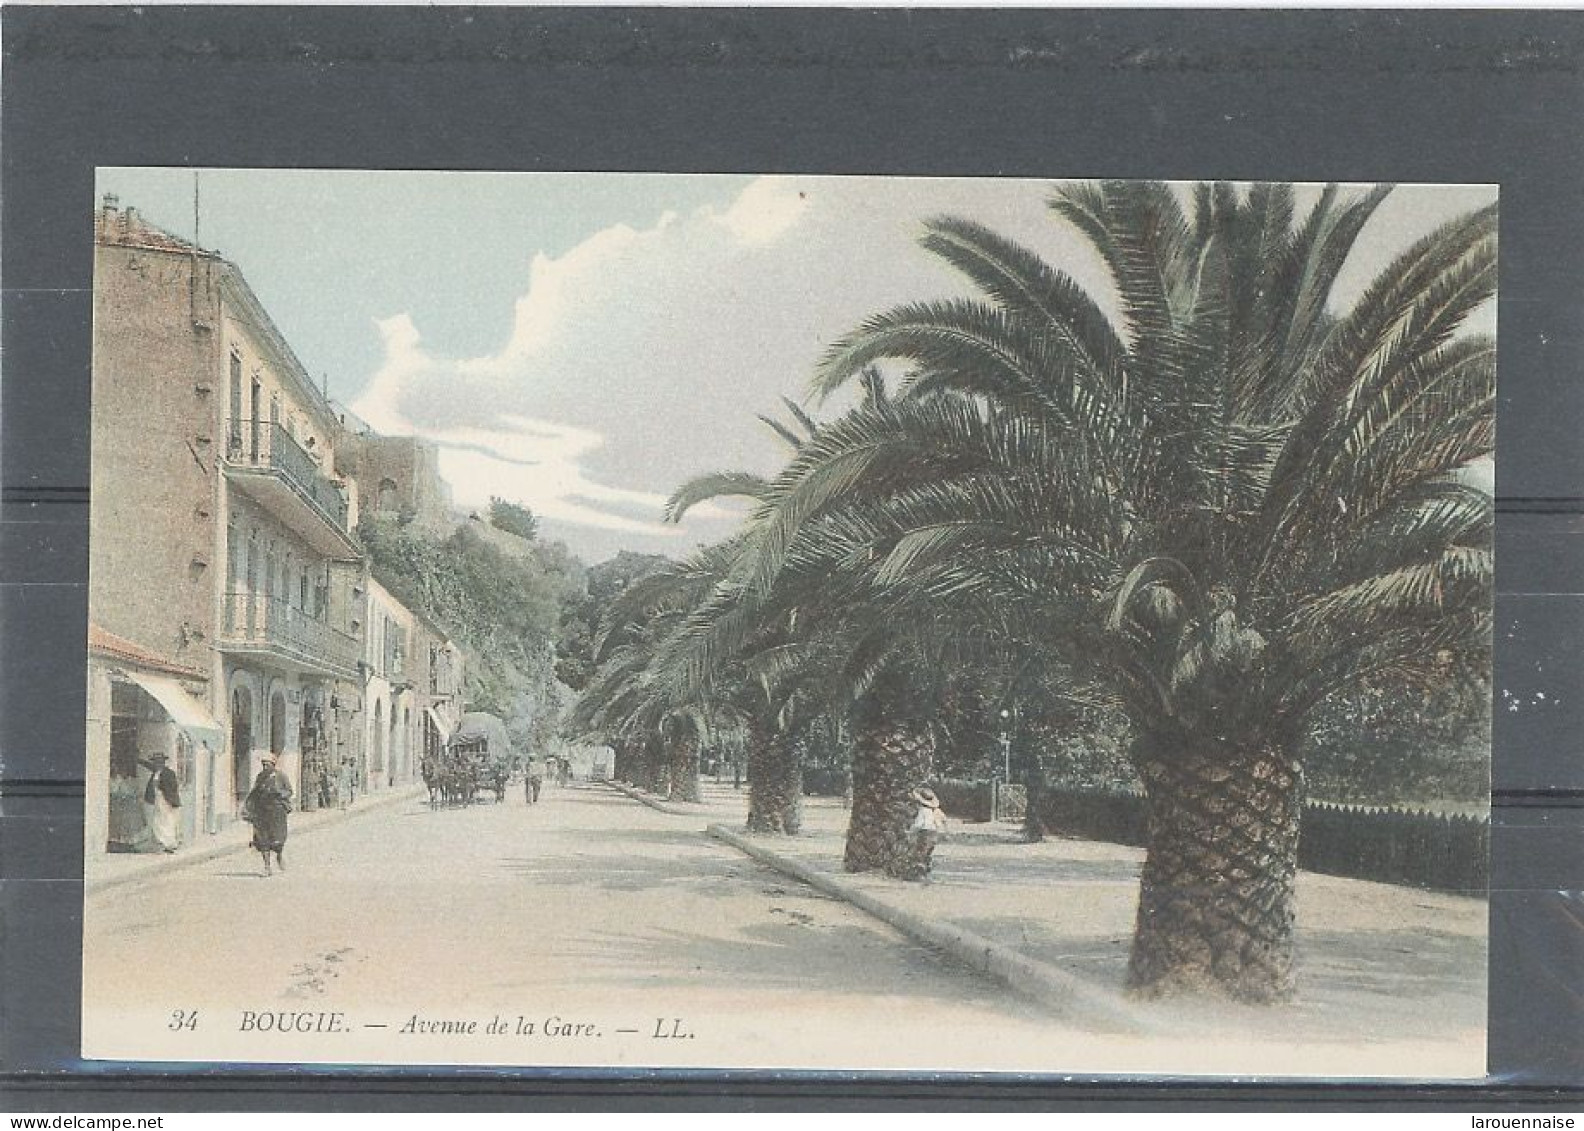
(1006,747)
(998,798)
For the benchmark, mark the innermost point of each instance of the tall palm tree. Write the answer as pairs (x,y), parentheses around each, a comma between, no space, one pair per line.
(822,633)
(656,726)
(1226,503)
(767,654)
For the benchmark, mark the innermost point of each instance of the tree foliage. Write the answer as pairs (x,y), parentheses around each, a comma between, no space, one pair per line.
(581,618)
(513,518)
(1234,502)
(504,608)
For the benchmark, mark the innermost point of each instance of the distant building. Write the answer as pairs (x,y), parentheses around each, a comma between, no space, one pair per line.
(389,702)
(398,478)
(442,679)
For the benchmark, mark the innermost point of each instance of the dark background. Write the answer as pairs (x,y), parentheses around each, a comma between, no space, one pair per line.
(1409,96)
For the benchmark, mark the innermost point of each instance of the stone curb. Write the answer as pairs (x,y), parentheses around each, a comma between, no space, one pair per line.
(1073,997)
(655,802)
(215,851)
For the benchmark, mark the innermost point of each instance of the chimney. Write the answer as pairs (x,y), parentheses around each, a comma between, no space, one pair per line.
(129,220)
(107,215)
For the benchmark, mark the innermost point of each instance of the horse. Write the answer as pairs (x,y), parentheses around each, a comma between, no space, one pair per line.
(432,780)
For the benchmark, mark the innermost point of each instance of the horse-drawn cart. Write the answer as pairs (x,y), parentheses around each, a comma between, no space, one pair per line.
(476,761)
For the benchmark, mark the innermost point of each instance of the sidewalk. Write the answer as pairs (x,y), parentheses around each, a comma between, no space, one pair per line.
(1377,964)
(104,870)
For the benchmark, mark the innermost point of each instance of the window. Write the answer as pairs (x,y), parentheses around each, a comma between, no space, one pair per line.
(392,651)
(237,408)
(255,423)
(233,574)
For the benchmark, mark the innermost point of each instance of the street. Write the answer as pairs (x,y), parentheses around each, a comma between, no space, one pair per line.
(585,930)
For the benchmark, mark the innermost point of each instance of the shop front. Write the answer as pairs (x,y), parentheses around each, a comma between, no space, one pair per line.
(153,750)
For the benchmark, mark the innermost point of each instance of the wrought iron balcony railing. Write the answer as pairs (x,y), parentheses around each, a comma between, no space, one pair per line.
(267,445)
(256,620)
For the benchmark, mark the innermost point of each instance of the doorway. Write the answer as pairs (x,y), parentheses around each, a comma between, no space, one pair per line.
(377,755)
(241,741)
(277,725)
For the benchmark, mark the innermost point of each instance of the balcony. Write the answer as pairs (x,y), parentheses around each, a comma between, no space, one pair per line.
(279,474)
(274,628)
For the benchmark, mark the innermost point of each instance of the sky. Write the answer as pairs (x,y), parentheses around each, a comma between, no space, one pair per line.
(584,343)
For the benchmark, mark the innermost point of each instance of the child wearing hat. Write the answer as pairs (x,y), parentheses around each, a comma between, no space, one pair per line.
(925,832)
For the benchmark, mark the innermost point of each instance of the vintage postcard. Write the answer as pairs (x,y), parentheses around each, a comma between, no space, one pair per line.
(790,623)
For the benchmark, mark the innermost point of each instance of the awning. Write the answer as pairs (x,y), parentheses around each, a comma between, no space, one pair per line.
(440,728)
(185,711)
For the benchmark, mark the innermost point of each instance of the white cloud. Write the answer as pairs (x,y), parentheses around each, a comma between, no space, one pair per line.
(765,210)
(639,357)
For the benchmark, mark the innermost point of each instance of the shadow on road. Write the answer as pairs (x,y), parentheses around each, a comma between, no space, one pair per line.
(1040,873)
(612,873)
(797,950)
(1373,962)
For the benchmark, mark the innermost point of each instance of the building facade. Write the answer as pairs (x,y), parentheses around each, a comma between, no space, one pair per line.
(390,693)
(222,546)
(442,678)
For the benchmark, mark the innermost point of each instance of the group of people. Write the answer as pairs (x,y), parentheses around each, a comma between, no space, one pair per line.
(266,807)
(536,771)
(336,784)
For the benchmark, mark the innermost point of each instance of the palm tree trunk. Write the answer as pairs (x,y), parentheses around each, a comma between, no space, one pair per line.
(657,769)
(1033,791)
(775,781)
(892,752)
(684,752)
(1216,896)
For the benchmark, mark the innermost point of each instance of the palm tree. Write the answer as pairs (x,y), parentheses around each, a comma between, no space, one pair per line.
(1225,504)
(656,726)
(766,655)
(821,639)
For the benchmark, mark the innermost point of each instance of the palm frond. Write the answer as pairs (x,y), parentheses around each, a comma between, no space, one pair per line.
(1023,284)
(714,485)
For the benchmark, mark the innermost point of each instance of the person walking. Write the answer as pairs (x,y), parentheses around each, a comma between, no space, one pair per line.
(535,779)
(266,808)
(161,802)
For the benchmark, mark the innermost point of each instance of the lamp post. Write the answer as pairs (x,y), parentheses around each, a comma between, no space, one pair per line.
(1006,762)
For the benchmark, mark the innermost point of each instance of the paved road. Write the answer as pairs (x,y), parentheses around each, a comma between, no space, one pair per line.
(571,921)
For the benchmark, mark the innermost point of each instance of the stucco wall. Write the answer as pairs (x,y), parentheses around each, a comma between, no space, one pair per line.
(156,430)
